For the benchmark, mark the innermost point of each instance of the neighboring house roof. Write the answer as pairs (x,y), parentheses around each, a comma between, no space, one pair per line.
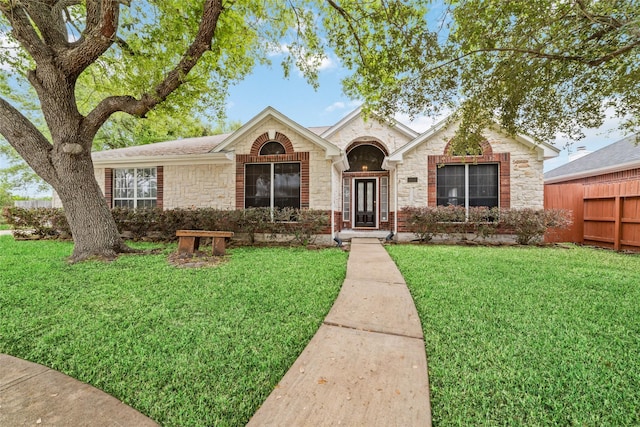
(621,155)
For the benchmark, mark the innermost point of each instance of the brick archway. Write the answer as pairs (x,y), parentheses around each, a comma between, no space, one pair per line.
(376,144)
(264,138)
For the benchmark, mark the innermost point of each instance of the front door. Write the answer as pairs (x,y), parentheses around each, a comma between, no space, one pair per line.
(365,202)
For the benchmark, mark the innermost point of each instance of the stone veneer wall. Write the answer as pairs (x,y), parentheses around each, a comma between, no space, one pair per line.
(525,171)
(200,186)
(360,130)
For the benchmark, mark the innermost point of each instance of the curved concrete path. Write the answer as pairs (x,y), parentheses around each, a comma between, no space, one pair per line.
(34,395)
(366,365)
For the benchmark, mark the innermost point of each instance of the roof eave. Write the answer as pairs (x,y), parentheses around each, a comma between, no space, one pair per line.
(593,172)
(173,159)
(398,156)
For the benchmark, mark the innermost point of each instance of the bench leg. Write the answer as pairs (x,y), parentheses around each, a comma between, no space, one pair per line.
(219,246)
(188,245)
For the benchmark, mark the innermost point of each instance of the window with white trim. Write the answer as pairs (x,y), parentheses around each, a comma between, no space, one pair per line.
(135,187)
(468,185)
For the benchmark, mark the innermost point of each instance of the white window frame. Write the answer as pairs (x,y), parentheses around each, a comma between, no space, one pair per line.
(135,197)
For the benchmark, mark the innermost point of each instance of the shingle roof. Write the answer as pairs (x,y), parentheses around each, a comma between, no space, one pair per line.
(199,145)
(620,153)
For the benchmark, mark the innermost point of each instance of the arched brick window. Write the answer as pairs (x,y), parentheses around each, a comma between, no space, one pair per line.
(272,175)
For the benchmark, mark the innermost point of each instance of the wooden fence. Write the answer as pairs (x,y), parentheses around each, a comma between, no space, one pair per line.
(606,215)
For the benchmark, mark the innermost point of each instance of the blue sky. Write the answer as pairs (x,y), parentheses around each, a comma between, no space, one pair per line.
(326,106)
(298,100)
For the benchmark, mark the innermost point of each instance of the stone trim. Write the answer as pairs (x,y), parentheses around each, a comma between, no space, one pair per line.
(301,157)
(504,165)
(372,142)
(264,138)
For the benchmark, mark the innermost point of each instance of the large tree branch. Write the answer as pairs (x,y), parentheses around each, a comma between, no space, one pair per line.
(349,20)
(24,32)
(50,23)
(176,77)
(99,35)
(27,140)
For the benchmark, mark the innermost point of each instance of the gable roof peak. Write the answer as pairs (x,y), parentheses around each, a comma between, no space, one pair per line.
(358,113)
(270,112)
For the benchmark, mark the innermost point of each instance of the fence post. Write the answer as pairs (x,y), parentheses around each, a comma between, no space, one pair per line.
(617,216)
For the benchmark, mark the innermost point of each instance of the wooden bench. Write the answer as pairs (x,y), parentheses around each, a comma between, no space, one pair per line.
(190,240)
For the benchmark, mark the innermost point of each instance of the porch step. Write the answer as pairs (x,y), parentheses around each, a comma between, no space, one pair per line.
(347,235)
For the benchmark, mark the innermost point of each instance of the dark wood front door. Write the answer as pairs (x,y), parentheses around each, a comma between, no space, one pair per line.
(365,202)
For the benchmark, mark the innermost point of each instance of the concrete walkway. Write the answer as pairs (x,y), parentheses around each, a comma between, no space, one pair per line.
(366,365)
(34,395)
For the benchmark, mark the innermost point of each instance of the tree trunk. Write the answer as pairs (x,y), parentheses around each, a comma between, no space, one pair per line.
(94,230)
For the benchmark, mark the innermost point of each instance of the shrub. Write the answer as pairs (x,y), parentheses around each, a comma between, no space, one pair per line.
(304,224)
(529,225)
(484,220)
(254,220)
(45,223)
(138,222)
(425,222)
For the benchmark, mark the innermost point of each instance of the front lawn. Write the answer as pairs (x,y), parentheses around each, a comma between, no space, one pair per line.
(183,346)
(528,336)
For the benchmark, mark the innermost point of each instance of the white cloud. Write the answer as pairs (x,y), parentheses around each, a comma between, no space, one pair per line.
(339,105)
(325,62)
(420,123)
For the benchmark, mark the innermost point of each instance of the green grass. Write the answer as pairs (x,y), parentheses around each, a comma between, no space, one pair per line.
(5,226)
(184,346)
(528,336)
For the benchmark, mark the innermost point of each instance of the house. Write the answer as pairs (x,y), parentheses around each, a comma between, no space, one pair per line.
(362,172)
(617,162)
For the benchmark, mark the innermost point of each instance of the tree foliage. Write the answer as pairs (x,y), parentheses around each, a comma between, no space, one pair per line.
(539,67)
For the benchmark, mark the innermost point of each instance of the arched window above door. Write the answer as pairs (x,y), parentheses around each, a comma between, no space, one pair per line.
(365,157)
